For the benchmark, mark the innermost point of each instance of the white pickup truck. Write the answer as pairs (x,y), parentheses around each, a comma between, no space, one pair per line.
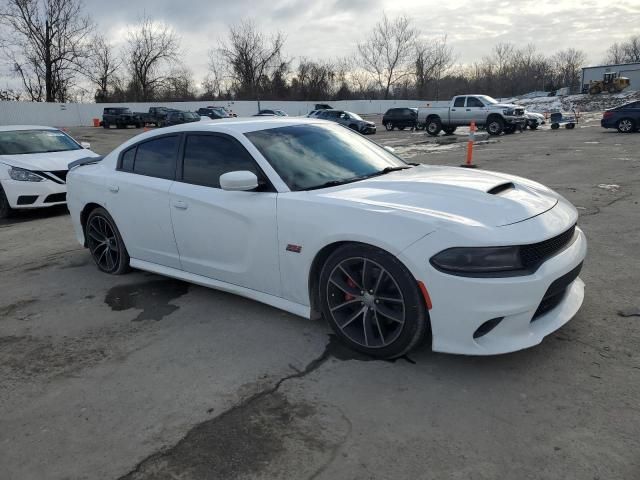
(483,110)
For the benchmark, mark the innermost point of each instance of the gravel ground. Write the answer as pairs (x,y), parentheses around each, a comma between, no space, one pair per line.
(143,377)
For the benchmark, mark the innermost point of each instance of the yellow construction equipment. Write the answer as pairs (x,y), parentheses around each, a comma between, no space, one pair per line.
(610,82)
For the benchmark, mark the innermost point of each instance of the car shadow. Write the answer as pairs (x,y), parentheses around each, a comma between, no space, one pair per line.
(27,215)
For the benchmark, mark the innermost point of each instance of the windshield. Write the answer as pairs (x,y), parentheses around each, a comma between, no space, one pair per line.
(309,156)
(487,99)
(20,142)
(355,116)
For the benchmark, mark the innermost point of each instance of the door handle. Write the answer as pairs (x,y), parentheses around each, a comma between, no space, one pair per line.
(468,109)
(453,109)
(179,204)
(114,188)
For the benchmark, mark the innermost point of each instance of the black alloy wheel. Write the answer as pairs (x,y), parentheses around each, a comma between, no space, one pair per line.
(372,302)
(105,243)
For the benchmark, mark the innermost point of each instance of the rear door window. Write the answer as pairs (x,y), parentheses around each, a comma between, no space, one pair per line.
(156,158)
(459,102)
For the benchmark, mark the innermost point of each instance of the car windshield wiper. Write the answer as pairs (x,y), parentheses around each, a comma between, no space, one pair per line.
(335,183)
(386,170)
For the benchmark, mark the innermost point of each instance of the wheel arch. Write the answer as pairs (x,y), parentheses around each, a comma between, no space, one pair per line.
(319,261)
(84,216)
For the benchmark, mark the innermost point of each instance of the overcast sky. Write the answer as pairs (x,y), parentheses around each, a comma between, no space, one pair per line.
(328,29)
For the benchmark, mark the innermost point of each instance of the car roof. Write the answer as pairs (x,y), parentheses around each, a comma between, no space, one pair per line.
(10,128)
(236,125)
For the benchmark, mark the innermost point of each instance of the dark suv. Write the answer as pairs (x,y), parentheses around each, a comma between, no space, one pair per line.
(121,117)
(400,118)
(625,118)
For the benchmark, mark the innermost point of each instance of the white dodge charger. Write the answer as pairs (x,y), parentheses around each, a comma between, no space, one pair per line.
(33,166)
(315,219)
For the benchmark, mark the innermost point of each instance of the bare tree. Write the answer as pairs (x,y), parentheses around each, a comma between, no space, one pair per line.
(387,53)
(568,65)
(251,57)
(624,52)
(214,83)
(152,49)
(101,68)
(432,59)
(47,44)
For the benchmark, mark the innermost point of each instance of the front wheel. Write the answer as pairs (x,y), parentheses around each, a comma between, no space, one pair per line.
(5,209)
(372,301)
(388,126)
(626,125)
(105,243)
(495,126)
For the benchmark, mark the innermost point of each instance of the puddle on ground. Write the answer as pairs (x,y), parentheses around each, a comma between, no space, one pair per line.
(153,297)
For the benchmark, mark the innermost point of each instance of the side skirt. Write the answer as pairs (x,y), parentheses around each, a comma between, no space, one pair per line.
(277,302)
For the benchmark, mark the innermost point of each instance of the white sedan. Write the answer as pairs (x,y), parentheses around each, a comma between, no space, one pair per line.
(33,166)
(315,219)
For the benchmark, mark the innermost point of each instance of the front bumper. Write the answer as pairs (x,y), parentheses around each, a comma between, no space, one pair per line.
(367,129)
(34,194)
(518,121)
(462,304)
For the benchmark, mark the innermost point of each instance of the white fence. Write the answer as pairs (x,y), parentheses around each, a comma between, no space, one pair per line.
(78,114)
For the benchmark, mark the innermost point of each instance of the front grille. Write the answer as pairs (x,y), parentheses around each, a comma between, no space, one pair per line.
(57,176)
(56,197)
(519,111)
(535,254)
(555,293)
(61,174)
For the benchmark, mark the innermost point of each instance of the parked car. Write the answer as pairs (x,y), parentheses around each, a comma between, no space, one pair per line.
(349,119)
(155,116)
(483,110)
(121,117)
(324,220)
(213,112)
(314,113)
(534,120)
(270,112)
(626,118)
(178,117)
(400,118)
(33,166)
(323,106)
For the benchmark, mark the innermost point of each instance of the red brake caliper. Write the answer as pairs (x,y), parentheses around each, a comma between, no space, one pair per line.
(348,296)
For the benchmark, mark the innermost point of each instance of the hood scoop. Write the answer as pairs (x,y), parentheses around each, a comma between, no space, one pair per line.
(503,187)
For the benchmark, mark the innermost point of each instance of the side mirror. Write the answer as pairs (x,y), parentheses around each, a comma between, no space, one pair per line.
(240,181)
(86,145)
(390,149)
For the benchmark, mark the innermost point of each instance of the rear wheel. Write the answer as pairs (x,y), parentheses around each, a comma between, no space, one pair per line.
(495,126)
(105,243)
(626,125)
(372,301)
(433,126)
(555,126)
(570,126)
(449,130)
(5,209)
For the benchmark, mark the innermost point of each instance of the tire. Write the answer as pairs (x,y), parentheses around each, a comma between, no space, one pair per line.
(612,89)
(495,126)
(353,127)
(449,130)
(5,209)
(433,127)
(595,90)
(119,125)
(509,129)
(385,321)
(533,126)
(388,126)
(420,126)
(110,257)
(570,126)
(402,127)
(626,125)
(105,125)
(555,126)
(138,125)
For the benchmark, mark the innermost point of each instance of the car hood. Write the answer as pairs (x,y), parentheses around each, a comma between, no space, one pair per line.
(505,105)
(46,161)
(469,197)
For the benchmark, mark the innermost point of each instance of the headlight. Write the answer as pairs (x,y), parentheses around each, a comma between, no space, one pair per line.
(478,261)
(22,175)
(508,112)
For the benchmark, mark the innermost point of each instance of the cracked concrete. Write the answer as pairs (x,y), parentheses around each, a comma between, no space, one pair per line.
(137,377)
